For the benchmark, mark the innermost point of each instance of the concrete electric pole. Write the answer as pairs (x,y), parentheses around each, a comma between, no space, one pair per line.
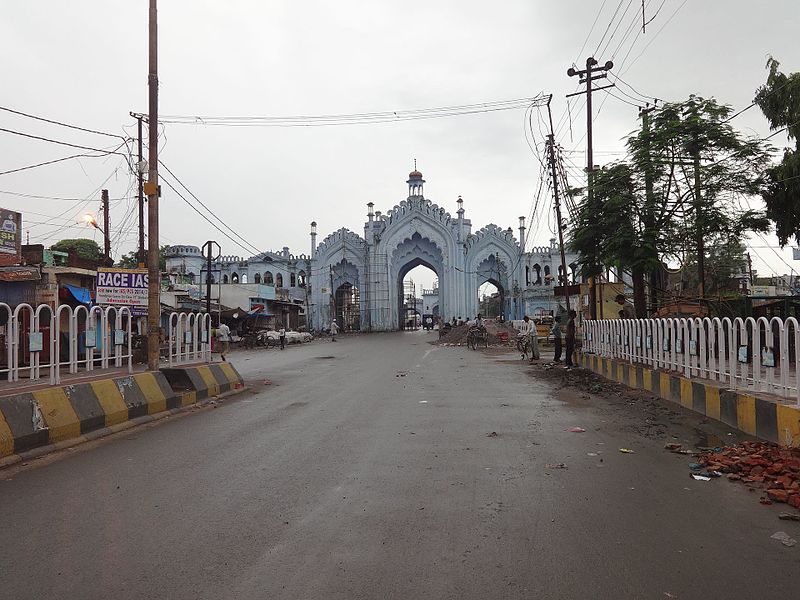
(587,76)
(151,189)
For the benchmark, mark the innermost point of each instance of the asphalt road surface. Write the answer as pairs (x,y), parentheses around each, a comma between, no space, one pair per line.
(370,469)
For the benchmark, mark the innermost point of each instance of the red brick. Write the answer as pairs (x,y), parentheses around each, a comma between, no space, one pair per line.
(778,495)
(794,500)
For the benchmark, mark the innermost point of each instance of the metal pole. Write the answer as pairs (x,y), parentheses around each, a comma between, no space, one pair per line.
(552,146)
(106,231)
(153,270)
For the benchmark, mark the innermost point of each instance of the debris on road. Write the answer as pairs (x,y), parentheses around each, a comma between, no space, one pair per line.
(697,477)
(576,430)
(784,538)
(401,374)
(673,447)
(773,468)
(555,466)
(789,517)
(267,382)
(492,434)
(626,451)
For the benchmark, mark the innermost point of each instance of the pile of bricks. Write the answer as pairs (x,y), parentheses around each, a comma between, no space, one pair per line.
(773,468)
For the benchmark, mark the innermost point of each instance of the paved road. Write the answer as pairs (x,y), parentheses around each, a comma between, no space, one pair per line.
(345,480)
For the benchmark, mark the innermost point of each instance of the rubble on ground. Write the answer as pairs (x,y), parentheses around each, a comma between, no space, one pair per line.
(764,465)
(457,336)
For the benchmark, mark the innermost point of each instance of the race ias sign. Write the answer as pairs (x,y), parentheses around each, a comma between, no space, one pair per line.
(123,287)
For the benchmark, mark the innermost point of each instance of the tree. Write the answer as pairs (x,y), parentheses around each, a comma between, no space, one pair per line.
(648,208)
(131,261)
(83,248)
(779,100)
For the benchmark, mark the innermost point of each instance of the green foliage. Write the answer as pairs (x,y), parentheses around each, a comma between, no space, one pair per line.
(83,248)
(725,259)
(645,209)
(130,260)
(779,100)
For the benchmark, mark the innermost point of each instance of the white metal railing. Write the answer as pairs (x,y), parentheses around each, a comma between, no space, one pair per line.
(754,354)
(95,338)
(189,338)
(106,335)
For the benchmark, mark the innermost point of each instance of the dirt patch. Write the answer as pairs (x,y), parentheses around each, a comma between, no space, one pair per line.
(639,412)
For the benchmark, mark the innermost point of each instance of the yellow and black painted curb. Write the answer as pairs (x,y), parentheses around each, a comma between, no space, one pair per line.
(195,383)
(757,416)
(60,416)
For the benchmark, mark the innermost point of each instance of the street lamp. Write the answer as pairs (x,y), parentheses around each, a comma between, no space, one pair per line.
(91,220)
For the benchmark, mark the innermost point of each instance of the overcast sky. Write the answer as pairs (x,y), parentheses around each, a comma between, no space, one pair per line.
(85,63)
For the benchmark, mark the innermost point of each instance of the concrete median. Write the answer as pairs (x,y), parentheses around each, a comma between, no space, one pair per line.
(67,414)
(754,414)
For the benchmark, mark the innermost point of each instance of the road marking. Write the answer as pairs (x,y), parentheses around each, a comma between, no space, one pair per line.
(424,356)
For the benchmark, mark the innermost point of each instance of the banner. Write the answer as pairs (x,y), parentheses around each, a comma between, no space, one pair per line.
(10,237)
(122,287)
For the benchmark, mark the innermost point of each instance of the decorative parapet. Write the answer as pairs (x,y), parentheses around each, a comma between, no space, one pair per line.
(420,205)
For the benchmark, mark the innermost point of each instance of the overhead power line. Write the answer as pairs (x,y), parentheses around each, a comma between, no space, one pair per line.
(59,123)
(354,118)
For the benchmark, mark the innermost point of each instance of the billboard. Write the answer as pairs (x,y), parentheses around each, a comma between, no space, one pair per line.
(10,237)
(122,287)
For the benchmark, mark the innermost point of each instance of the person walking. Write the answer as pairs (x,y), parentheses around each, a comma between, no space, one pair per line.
(282,334)
(334,330)
(556,331)
(224,339)
(570,339)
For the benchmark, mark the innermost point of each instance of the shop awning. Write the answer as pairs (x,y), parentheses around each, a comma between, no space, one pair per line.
(82,295)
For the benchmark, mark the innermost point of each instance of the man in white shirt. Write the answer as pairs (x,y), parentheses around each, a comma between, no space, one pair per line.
(334,330)
(224,339)
(282,334)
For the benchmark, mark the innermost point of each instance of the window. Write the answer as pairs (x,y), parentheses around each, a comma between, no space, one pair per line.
(279,280)
(301,279)
(268,278)
(224,279)
(244,277)
(292,280)
(538,271)
(235,278)
(257,278)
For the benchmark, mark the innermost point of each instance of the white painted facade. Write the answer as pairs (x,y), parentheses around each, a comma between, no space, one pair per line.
(414,232)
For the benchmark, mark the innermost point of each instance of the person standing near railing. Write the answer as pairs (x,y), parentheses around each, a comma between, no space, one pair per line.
(556,331)
(224,338)
(627,311)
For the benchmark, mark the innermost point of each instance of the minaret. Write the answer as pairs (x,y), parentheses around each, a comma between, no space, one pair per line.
(415,182)
(313,239)
(370,211)
(522,234)
(460,213)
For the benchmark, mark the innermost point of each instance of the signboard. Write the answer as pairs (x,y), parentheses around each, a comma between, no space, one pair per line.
(123,287)
(10,237)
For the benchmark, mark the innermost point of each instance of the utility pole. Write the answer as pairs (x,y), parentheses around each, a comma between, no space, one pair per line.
(106,230)
(650,208)
(587,76)
(140,255)
(750,269)
(209,258)
(551,144)
(151,189)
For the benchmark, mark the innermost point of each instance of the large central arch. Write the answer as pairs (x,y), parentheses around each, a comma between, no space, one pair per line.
(414,232)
